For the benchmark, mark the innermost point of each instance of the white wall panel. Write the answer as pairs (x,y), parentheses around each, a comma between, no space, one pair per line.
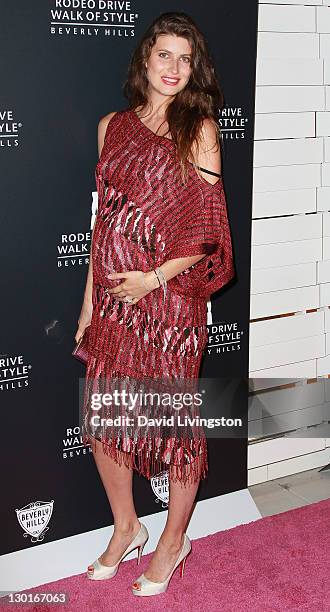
(323,198)
(257,475)
(327,71)
(285,98)
(283,423)
(326,250)
(301,369)
(288,151)
(324,294)
(327,344)
(323,271)
(301,176)
(323,366)
(298,464)
(327,320)
(274,255)
(269,451)
(327,98)
(275,402)
(272,45)
(323,124)
(290,71)
(280,353)
(326,223)
(280,302)
(326,150)
(275,203)
(269,126)
(323,19)
(325,46)
(285,229)
(276,18)
(283,277)
(325,175)
(286,328)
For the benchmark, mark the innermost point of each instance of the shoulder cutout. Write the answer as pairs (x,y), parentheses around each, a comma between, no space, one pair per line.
(102,128)
(209,155)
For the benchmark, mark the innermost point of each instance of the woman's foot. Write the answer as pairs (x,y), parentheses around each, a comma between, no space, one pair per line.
(121,539)
(164,558)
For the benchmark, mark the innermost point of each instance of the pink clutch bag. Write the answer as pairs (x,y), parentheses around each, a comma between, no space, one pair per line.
(81,349)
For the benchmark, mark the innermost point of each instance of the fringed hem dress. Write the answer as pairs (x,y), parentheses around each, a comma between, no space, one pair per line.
(146,215)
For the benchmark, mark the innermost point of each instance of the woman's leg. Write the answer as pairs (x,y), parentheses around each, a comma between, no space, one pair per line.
(117,481)
(171,541)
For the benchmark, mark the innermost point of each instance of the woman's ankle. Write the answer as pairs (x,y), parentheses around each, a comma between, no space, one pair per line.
(172,540)
(126,527)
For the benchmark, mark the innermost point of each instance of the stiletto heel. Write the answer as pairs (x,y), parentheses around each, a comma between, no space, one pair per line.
(144,587)
(182,564)
(140,551)
(98,571)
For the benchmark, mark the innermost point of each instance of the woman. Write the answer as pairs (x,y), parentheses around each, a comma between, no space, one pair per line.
(161,246)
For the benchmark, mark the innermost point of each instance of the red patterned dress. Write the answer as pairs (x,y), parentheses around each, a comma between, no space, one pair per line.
(146,216)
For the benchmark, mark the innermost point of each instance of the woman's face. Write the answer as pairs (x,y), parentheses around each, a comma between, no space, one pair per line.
(169,64)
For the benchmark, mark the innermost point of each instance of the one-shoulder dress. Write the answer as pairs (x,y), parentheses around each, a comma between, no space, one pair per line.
(147,215)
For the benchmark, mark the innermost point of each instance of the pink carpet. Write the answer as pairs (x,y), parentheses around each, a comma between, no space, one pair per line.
(274,564)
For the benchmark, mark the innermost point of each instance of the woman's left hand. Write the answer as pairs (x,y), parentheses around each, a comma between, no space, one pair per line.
(133,285)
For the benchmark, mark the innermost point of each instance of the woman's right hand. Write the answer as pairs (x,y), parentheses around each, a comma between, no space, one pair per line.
(84,320)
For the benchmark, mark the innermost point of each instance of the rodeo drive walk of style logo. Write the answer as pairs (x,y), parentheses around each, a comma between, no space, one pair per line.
(9,129)
(34,519)
(115,18)
(14,372)
(73,249)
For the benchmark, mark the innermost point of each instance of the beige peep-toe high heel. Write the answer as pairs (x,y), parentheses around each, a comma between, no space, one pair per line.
(98,571)
(144,587)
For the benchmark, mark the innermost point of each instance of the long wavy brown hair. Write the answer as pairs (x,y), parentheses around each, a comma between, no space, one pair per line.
(201,97)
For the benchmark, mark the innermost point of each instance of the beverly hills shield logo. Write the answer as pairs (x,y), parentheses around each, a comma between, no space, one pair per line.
(34,518)
(160,487)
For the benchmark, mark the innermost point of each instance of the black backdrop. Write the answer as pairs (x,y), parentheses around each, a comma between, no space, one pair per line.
(57,81)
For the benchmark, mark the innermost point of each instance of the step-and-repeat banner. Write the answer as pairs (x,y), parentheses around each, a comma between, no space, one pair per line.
(63,66)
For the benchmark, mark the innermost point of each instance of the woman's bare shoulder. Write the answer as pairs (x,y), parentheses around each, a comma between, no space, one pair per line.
(208,154)
(102,128)
(105,120)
